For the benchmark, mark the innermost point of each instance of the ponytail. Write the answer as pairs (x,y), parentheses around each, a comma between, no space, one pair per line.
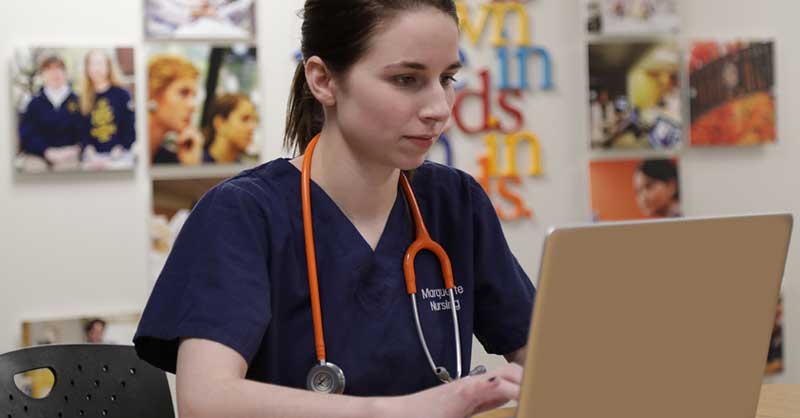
(304,116)
(339,33)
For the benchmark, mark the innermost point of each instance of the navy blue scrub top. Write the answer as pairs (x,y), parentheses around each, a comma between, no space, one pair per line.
(237,275)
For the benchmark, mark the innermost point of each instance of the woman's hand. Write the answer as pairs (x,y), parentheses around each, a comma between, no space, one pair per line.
(190,146)
(462,398)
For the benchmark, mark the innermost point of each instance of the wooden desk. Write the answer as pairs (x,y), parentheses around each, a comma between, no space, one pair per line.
(776,401)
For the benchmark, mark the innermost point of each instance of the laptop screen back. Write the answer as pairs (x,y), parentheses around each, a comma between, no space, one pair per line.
(657,319)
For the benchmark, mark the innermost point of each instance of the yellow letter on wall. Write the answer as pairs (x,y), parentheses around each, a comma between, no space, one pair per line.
(512,140)
(498,12)
(473,32)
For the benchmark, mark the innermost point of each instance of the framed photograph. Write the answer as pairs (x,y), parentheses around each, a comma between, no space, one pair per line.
(173,200)
(199,19)
(202,104)
(631,17)
(633,189)
(775,353)
(112,328)
(634,98)
(732,93)
(74,109)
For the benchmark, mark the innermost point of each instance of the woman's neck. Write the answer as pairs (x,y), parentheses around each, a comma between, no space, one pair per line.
(364,190)
(101,87)
(671,210)
(156,131)
(223,151)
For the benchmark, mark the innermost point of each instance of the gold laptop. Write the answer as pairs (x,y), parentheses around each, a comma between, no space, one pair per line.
(654,319)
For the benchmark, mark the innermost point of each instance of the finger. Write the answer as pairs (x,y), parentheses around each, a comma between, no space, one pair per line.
(491,391)
(511,372)
(507,390)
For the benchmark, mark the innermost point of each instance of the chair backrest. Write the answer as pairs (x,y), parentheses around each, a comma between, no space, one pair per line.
(90,381)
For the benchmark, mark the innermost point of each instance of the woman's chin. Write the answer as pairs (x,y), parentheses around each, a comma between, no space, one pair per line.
(411,163)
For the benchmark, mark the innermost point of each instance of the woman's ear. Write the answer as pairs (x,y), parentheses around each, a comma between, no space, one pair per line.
(217,122)
(672,185)
(320,81)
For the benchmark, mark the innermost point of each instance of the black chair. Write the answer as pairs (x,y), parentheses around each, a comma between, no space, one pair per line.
(90,381)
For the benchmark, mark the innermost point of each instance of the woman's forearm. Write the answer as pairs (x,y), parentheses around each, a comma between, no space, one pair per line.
(235,398)
(211,383)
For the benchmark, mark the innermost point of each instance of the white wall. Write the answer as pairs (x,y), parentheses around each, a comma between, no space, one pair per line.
(70,244)
(77,244)
(759,179)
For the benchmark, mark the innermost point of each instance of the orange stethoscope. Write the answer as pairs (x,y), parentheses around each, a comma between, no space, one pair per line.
(326,377)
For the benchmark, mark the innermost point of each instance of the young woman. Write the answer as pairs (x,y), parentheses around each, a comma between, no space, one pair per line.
(107,106)
(172,101)
(263,295)
(657,189)
(232,122)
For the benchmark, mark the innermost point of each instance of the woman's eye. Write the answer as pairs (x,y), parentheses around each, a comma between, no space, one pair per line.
(448,80)
(405,80)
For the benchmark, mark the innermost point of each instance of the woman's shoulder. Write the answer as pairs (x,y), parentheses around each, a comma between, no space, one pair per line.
(266,183)
(447,188)
(433,177)
(38,100)
(120,97)
(118,92)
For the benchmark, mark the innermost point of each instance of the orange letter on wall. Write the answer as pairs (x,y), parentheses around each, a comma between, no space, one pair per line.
(520,211)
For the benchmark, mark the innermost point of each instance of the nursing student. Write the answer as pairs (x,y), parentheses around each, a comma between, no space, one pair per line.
(290,276)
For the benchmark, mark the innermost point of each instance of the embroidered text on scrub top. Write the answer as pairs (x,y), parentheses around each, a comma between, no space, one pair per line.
(443,305)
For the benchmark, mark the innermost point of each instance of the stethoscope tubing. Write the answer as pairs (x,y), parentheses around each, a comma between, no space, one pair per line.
(311,257)
(421,242)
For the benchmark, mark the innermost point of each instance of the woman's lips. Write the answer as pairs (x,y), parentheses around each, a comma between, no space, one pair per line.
(422,141)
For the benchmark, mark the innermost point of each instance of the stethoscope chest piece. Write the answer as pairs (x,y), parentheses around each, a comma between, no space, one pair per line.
(325,378)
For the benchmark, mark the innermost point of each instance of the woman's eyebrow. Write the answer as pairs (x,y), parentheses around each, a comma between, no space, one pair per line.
(419,66)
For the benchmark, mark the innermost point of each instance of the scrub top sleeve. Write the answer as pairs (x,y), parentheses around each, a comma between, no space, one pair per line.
(214,284)
(503,292)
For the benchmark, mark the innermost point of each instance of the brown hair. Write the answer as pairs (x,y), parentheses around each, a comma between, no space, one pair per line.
(221,106)
(50,60)
(338,32)
(162,70)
